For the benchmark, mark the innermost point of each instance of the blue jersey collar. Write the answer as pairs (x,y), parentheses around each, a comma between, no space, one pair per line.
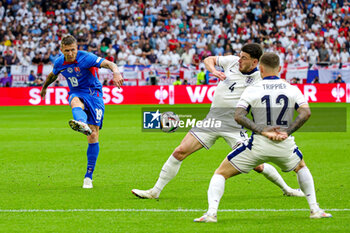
(70,63)
(271,77)
(250,72)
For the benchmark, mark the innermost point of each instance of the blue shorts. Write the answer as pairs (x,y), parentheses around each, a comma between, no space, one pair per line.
(93,106)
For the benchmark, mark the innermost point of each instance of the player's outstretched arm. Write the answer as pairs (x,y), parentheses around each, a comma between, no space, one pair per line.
(271,132)
(50,79)
(210,63)
(117,76)
(304,114)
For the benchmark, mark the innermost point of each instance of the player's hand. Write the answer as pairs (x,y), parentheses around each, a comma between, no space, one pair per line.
(274,133)
(219,75)
(118,79)
(274,136)
(282,136)
(43,93)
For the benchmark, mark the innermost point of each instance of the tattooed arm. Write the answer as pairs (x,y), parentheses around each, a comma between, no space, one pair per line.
(304,115)
(268,131)
(50,79)
(117,76)
(242,119)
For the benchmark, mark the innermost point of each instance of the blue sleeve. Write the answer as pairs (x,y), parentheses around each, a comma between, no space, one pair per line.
(56,66)
(91,60)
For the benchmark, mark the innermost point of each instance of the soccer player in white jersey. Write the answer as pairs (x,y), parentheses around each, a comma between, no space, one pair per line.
(239,72)
(272,102)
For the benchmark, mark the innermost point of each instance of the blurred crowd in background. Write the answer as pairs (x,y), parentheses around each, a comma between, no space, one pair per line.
(175,33)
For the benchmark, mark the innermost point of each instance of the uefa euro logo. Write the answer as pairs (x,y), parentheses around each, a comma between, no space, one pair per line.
(151,120)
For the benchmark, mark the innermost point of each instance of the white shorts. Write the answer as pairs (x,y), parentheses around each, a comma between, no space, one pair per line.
(207,139)
(260,149)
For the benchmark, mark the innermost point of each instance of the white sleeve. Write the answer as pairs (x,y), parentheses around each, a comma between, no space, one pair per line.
(299,98)
(226,61)
(245,101)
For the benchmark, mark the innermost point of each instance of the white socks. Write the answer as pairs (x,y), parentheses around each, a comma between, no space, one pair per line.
(168,172)
(215,192)
(272,175)
(306,184)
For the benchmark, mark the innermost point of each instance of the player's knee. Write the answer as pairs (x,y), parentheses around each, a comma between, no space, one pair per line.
(76,102)
(180,153)
(300,166)
(259,168)
(93,138)
(222,172)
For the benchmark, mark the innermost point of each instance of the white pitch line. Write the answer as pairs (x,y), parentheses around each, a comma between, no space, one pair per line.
(159,210)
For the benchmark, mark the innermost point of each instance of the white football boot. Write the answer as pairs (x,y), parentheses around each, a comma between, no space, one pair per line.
(294,193)
(206,218)
(87,183)
(145,194)
(80,127)
(320,214)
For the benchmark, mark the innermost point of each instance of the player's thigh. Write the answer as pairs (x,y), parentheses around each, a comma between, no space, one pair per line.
(188,145)
(75,101)
(94,110)
(234,137)
(226,169)
(244,158)
(206,138)
(288,159)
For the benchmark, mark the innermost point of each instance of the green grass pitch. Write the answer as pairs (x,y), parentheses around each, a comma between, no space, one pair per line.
(42,164)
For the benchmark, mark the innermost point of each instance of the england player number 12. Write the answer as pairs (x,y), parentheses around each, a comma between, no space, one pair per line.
(279,121)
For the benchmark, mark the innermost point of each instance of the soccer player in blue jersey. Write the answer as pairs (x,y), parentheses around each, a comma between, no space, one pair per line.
(85,95)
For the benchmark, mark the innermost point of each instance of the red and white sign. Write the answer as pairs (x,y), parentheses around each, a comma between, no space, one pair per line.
(201,94)
(325,93)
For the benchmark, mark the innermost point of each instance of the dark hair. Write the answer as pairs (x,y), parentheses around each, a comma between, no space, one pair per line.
(270,60)
(68,40)
(253,49)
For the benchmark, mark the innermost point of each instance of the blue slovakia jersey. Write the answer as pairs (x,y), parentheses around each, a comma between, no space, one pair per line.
(81,74)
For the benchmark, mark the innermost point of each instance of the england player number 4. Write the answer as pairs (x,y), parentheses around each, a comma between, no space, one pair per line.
(232,87)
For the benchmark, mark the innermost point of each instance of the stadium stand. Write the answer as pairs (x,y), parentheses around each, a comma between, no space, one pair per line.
(307,35)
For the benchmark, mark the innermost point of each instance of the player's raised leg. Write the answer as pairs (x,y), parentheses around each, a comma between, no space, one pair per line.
(79,123)
(216,190)
(306,183)
(272,175)
(92,154)
(170,168)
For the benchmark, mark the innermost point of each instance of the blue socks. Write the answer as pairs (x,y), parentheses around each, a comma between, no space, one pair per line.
(92,154)
(93,148)
(79,114)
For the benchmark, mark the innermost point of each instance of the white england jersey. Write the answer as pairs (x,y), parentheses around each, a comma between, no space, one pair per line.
(272,101)
(226,97)
(229,91)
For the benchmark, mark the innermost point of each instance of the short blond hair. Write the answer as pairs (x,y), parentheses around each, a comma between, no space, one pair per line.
(68,40)
(270,60)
